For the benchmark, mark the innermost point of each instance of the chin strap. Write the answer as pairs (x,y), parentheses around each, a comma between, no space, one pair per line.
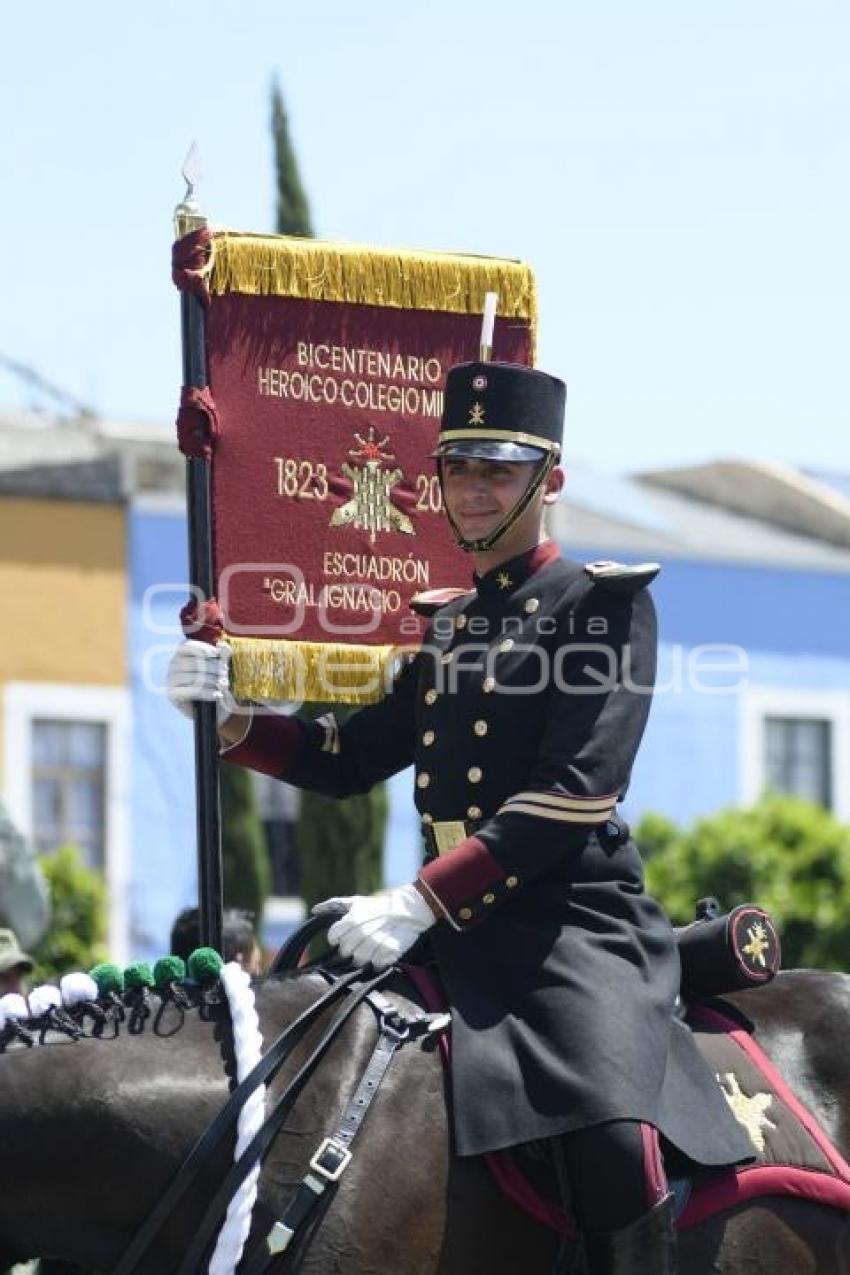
(487,542)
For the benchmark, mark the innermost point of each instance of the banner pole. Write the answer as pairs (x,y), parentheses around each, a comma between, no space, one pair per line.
(188,217)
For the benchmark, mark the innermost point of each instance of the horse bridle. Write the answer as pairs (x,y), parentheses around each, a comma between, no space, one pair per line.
(332,1156)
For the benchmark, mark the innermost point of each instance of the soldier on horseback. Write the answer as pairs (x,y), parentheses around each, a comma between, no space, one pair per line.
(522,714)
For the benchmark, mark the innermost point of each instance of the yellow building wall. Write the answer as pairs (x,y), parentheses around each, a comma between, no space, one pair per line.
(62,592)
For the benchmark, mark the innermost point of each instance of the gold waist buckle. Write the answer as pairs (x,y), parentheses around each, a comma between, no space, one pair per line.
(447,834)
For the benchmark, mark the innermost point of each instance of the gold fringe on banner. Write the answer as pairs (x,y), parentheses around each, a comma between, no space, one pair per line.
(282,266)
(323,672)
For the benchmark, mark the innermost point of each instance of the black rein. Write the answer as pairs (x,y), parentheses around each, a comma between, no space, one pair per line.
(265,1070)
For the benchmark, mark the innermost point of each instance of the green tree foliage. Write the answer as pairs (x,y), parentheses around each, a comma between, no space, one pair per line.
(77,935)
(339,844)
(787,855)
(293,211)
(245,864)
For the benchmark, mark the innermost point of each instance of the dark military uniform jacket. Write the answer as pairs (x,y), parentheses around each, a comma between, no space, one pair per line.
(522,714)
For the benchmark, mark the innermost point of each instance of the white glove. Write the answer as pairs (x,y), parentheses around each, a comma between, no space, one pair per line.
(379,928)
(198,671)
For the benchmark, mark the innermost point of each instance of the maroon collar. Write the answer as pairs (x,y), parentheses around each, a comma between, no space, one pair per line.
(507,576)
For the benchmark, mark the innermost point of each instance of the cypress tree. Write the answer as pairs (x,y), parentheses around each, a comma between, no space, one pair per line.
(245,864)
(293,210)
(339,843)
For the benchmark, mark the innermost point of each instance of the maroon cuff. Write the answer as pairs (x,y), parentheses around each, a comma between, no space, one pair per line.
(270,746)
(467,881)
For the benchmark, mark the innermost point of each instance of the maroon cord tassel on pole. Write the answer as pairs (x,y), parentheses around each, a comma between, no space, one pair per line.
(204,623)
(197,422)
(189,261)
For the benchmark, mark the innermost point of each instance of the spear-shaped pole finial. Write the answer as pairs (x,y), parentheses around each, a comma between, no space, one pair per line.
(187,214)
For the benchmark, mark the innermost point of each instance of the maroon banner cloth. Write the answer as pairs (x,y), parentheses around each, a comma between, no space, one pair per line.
(327,510)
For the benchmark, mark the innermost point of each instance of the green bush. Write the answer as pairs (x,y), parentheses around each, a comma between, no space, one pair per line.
(76,938)
(787,855)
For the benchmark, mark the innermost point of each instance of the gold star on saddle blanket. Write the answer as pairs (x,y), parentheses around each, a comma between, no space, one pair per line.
(749,1111)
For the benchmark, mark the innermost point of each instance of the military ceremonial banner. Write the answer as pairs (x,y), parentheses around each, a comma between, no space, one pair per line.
(326,366)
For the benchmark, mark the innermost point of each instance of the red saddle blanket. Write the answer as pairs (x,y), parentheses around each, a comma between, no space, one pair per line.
(794,1154)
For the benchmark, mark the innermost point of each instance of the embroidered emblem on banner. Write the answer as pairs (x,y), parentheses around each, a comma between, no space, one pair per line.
(749,1112)
(370,508)
(504,581)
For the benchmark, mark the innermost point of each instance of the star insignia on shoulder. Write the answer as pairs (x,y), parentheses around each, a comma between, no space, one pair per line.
(749,1112)
(504,581)
(476,414)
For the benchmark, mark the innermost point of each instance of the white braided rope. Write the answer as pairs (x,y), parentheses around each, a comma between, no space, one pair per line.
(248,1048)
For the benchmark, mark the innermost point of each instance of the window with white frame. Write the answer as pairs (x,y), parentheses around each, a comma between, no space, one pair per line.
(66,778)
(798,757)
(797,742)
(69,786)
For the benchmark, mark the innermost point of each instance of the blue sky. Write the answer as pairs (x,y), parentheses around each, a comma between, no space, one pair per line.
(678,174)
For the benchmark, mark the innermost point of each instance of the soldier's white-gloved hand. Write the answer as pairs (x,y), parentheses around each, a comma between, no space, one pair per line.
(377,929)
(198,672)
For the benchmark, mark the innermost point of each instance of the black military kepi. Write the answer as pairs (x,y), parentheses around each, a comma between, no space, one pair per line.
(507,412)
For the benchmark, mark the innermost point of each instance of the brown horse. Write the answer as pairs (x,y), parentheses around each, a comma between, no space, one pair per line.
(93,1130)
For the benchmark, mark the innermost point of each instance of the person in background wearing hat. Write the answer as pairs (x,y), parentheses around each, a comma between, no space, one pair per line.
(15,965)
(522,714)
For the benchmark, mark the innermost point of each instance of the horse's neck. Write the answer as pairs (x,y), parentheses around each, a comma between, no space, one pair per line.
(92,1131)
(338,1069)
